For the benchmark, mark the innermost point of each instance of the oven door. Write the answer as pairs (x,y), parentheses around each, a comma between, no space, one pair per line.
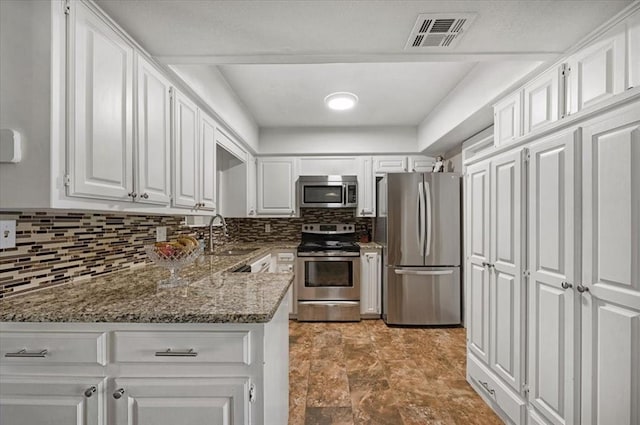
(328,278)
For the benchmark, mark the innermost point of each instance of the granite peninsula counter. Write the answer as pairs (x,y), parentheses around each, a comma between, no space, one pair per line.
(215,295)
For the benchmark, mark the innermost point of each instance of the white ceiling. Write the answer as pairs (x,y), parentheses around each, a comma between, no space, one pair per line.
(283,57)
(389,93)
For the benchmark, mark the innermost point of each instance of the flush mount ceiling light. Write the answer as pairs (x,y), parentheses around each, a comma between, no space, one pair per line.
(341,101)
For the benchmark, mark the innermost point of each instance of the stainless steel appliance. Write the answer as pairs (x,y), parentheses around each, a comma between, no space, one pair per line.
(418,225)
(328,273)
(328,191)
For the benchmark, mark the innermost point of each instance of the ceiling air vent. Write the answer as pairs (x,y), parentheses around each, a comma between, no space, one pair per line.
(442,30)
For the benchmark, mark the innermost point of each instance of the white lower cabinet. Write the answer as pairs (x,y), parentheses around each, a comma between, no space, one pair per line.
(170,401)
(45,400)
(154,374)
(553,307)
(370,284)
(582,293)
(496,297)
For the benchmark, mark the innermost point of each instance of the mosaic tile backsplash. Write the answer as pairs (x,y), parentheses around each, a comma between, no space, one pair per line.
(53,248)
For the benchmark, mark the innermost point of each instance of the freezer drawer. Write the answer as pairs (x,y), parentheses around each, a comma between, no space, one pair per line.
(422,296)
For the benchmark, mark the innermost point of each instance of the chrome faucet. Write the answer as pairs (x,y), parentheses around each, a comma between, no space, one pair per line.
(224,229)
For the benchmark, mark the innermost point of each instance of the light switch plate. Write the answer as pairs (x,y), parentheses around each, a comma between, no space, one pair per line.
(267,228)
(10,146)
(7,234)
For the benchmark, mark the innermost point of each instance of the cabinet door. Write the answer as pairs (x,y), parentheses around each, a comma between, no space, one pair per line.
(153,164)
(611,270)
(633,51)
(553,310)
(421,164)
(276,186)
(389,164)
(370,284)
(252,182)
(207,174)
(507,295)
(597,72)
(542,100)
(507,119)
(170,401)
(52,400)
(100,148)
(185,157)
(477,270)
(366,188)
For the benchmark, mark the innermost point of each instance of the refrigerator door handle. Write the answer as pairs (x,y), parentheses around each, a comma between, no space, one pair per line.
(423,272)
(428,224)
(420,217)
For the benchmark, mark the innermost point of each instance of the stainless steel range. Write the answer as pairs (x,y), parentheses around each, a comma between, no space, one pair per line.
(328,275)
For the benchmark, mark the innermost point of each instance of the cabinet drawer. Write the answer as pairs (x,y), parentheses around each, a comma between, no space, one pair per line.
(286,257)
(53,347)
(489,385)
(183,347)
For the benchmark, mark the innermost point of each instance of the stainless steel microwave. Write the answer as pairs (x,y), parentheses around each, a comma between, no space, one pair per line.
(328,191)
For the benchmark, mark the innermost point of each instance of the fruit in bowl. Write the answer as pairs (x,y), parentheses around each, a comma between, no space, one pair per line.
(181,247)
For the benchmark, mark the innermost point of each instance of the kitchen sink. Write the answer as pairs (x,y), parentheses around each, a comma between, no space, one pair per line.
(232,252)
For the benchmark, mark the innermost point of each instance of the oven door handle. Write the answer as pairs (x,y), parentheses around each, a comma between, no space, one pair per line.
(423,272)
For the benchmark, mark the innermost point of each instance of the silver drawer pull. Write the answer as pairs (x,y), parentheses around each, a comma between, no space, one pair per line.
(25,353)
(169,353)
(486,387)
(117,394)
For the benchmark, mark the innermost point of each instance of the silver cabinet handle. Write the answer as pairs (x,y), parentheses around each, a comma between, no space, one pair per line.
(566,285)
(145,195)
(90,391)
(485,264)
(132,195)
(28,354)
(117,394)
(486,387)
(582,289)
(169,353)
(424,272)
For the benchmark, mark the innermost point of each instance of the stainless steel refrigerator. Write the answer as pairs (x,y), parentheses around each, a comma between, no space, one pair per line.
(418,223)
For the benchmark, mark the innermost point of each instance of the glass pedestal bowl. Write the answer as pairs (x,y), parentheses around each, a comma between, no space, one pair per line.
(173,260)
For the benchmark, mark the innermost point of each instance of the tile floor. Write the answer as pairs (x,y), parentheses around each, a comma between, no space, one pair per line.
(368,373)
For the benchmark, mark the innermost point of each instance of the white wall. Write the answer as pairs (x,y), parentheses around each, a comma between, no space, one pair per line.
(338,140)
(468,108)
(208,83)
(25,98)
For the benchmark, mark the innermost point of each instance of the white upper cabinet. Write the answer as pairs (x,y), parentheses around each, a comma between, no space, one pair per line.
(252,182)
(542,100)
(153,161)
(633,51)
(366,189)
(207,192)
(100,139)
(553,308)
(390,164)
(402,164)
(276,186)
(421,164)
(597,72)
(185,152)
(508,119)
(611,269)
